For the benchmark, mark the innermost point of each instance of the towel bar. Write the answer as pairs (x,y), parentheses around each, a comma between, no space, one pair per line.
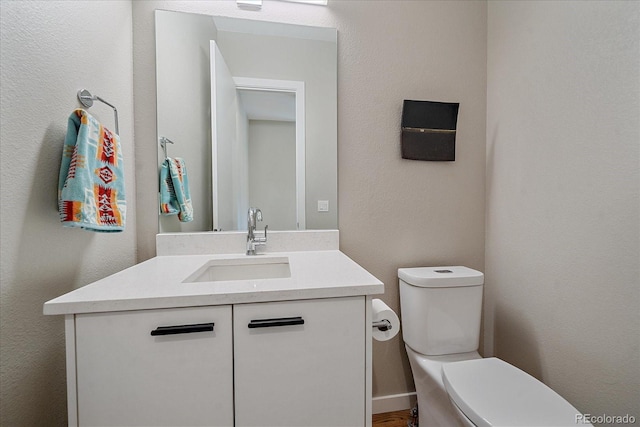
(86,99)
(163,142)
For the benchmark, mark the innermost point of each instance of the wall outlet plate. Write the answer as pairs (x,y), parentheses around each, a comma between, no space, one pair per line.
(323,206)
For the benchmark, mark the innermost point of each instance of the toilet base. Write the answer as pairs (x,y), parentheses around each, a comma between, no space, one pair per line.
(434,406)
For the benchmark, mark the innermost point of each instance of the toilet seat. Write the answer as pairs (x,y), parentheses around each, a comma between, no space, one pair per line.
(491,393)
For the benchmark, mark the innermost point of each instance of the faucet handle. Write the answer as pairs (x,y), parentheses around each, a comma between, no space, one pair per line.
(258,215)
(262,240)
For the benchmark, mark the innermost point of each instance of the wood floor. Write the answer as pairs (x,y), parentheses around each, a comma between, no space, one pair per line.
(391,419)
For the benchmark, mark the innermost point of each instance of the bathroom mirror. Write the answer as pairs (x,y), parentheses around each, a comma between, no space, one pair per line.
(262,132)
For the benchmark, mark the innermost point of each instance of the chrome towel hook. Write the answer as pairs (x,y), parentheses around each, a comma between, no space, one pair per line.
(86,99)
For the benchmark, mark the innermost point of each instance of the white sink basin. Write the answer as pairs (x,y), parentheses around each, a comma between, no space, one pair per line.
(249,268)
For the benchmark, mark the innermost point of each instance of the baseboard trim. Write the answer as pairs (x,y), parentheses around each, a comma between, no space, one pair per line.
(393,402)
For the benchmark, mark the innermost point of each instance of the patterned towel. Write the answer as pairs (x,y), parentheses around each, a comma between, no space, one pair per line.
(91,182)
(175,196)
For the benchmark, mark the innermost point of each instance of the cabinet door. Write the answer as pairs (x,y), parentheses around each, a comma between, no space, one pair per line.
(300,363)
(127,376)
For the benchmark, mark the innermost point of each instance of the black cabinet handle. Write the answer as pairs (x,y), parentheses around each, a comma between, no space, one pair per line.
(183,329)
(282,321)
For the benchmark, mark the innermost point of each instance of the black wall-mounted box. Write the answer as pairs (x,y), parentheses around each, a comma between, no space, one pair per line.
(429,130)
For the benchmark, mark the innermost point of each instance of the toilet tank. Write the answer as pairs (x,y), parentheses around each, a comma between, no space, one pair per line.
(440,309)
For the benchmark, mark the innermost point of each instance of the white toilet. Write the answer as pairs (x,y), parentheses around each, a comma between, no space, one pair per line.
(440,310)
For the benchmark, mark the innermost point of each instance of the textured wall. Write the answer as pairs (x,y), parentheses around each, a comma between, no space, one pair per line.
(563,279)
(402,213)
(49,50)
(392,212)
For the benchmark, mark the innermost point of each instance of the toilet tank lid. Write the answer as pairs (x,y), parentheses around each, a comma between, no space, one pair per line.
(491,392)
(441,277)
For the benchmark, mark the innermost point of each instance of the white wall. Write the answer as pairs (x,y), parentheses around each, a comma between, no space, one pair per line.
(242,166)
(392,212)
(226,143)
(184,79)
(272,153)
(562,250)
(50,50)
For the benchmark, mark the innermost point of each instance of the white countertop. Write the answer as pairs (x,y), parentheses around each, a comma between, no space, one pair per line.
(158,283)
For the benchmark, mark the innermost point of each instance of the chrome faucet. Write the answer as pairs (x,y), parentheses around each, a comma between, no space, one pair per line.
(253,216)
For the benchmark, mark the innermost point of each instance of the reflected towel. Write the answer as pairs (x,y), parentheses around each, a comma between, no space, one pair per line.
(175,195)
(91,182)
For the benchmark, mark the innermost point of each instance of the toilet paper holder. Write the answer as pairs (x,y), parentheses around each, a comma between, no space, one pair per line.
(382,325)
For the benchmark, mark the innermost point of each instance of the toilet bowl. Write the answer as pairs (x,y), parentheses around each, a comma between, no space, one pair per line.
(440,312)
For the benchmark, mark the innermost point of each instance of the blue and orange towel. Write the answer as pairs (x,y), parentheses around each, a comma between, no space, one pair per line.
(91,182)
(175,195)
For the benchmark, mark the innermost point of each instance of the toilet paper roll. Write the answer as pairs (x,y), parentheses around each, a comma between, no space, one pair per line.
(381,311)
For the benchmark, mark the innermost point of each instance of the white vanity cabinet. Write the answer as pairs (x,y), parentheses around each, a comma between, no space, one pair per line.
(285,363)
(300,363)
(151,346)
(125,376)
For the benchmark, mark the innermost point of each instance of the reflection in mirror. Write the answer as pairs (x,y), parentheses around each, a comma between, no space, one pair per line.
(262,136)
(272,148)
(260,133)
